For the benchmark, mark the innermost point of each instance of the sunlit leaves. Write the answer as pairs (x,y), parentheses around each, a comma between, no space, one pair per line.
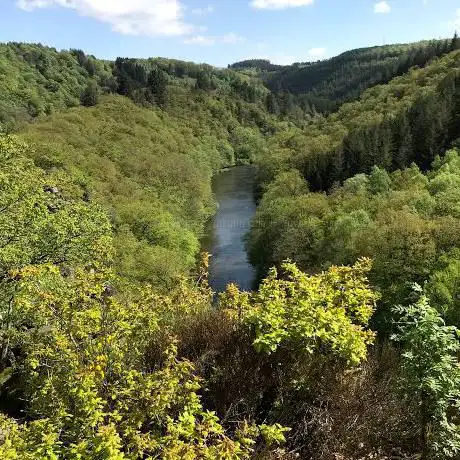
(39,223)
(329,311)
(86,377)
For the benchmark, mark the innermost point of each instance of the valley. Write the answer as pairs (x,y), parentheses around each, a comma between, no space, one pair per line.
(258,262)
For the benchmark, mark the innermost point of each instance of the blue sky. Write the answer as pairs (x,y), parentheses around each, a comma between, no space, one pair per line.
(220,32)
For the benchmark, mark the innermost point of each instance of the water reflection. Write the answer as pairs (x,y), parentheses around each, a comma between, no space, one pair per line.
(233,189)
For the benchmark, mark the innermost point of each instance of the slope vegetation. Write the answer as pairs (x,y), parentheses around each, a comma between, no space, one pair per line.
(37,80)
(324,85)
(411,119)
(107,351)
(141,137)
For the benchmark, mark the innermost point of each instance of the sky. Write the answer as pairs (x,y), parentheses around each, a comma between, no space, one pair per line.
(221,32)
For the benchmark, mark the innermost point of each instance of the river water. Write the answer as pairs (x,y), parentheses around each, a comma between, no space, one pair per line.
(234,192)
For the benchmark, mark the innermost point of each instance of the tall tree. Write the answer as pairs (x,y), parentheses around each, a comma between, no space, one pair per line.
(272,104)
(403,139)
(203,81)
(157,86)
(455,44)
(90,95)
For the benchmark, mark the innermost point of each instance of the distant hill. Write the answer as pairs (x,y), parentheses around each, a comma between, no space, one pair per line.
(409,120)
(37,80)
(122,128)
(327,84)
(111,344)
(263,65)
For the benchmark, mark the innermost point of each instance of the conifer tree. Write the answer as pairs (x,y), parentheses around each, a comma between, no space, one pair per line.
(90,96)
(157,86)
(455,44)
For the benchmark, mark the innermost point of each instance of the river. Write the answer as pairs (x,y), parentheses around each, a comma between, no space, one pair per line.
(234,192)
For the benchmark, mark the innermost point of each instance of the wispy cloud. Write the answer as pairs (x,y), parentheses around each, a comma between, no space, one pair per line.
(287,59)
(454,24)
(203,11)
(203,40)
(279,4)
(316,53)
(130,17)
(275,58)
(232,39)
(382,8)
(200,40)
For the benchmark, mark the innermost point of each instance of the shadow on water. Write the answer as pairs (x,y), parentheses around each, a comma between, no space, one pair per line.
(224,238)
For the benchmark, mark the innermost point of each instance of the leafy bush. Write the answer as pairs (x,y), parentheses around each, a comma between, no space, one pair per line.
(432,375)
(329,311)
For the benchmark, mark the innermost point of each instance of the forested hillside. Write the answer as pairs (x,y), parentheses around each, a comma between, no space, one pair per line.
(377,179)
(36,80)
(112,344)
(406,123)
(407,222)
(147,154)
(322,86)
(411,119)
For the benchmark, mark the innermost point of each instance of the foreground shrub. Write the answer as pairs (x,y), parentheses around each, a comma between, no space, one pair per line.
(431,372)
(327,312)
(91,393)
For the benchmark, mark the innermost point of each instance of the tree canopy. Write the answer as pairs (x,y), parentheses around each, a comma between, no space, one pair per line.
(112,344)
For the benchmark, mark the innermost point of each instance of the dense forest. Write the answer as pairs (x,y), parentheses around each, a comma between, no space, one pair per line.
(411,119)
(147,158)
(112,344)
(323,85)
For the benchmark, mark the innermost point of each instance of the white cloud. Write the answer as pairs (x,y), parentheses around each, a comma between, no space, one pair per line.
(202,40)
(261,45)
(30,5)
(454,25)
(279,4)
(203,11)
(281,59)
(232,39)
(130,17)
(382,7)
(316,53)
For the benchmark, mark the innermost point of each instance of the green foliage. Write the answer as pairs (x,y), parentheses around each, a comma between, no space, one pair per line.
(96,373)
(329,311)
(97,364)
(90,96)
(89,389)
(327,84)
(151,171)
(443,287)
(149,168)
(157,85)
(274,434)
(39,222)
(410,119)
(37,80)
(432,375)
(407,222)
(256,64)
(248,144)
